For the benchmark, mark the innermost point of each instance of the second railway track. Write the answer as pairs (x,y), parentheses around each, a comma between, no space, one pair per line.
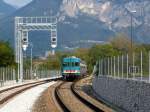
(9,93)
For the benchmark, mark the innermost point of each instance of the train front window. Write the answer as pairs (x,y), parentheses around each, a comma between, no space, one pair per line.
(72,64)
(76,63)
(65,64)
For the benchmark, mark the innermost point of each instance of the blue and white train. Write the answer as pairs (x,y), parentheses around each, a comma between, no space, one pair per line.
(73,67)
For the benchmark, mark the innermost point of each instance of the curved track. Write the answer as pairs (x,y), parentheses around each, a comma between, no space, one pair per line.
(89,104)
(59,94)
(59,99)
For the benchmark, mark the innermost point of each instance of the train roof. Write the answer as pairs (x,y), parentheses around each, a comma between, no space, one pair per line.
(73,58)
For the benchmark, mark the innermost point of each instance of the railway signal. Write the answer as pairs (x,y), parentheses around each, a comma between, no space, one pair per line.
(25,24)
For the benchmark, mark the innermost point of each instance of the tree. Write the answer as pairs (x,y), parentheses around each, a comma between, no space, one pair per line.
(121,43)
(6,54)
(146,46)
(82,53)
(98,52)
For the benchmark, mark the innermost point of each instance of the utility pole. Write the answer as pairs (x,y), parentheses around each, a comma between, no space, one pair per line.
(133,11)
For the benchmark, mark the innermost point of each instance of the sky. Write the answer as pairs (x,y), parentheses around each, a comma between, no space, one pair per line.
(17,3)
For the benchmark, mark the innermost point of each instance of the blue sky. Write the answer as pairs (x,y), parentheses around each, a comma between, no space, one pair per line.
(18,3)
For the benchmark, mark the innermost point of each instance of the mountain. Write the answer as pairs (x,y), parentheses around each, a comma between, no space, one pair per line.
(115,14)
(96,20)
(5,9)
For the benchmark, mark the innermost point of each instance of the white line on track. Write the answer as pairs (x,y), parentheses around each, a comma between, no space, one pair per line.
(24,102)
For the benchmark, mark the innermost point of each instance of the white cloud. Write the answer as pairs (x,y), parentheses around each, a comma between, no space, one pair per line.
(18,3)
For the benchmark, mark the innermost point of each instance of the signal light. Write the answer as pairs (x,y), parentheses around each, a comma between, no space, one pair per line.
(54,42)
(24,44)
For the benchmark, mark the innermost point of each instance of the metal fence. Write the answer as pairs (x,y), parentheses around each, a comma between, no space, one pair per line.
(8,75)
(135,66)
(39,74)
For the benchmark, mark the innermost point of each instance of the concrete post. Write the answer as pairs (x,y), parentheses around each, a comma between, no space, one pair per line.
(114,67)
(122,65)
(108,67)
(127,66)
(149,66)
(118,67)
(141,66)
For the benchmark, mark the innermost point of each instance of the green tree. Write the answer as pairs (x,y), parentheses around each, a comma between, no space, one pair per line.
(122,43)
(6,54)
(99,52)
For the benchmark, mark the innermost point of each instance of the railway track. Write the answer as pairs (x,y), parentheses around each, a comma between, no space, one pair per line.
(59,99)
(9,93)
(72,101)
(89,104)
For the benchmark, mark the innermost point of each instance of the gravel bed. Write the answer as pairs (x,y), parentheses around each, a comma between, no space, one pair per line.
(24,102)
(14,91)
(47,102)
(84,88)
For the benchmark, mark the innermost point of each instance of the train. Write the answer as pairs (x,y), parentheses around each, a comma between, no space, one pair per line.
(73,67)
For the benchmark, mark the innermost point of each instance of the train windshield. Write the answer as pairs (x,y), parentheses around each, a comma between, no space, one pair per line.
(65,64)
(77,63)
(71,62)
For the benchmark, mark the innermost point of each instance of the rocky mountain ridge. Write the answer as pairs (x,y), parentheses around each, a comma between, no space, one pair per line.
(96,20)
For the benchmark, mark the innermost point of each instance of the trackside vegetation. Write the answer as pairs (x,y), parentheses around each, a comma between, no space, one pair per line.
(118,45)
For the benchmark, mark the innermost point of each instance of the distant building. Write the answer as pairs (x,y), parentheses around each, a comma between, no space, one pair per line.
(49,54)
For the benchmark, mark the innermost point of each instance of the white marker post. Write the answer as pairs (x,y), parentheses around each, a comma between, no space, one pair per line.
(141,66)
(122,66)
(127,66)
(114,68)
(149,66)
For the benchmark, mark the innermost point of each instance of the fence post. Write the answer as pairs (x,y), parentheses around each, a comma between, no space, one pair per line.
(0,75)
(114,67)
(10,73)
(14,75)
(149,66)
(122,66)
(99,67)
(111,67)
(108,67)
(127,66)
(141,66)
(104,67)
(118,67)
(133,65)
(3,75)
